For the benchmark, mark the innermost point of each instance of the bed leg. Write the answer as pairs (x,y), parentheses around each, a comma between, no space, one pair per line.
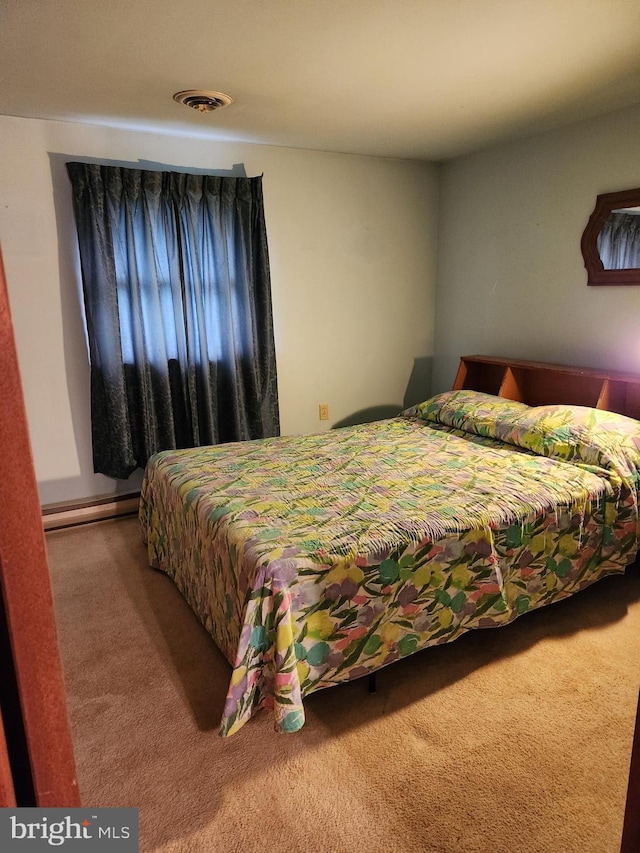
(372,682)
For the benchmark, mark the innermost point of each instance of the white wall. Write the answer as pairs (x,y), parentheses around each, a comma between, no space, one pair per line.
(352,249)
(511,279)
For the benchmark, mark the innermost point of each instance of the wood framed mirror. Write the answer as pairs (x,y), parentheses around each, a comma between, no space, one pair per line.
(611,241)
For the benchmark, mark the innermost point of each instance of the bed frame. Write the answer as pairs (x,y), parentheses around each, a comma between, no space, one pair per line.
(538,383)
(541,384)
(177,533)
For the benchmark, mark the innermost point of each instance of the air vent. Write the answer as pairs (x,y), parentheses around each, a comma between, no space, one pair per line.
(203,100)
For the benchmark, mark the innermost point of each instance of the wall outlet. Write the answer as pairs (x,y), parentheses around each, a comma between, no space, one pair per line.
(323,411)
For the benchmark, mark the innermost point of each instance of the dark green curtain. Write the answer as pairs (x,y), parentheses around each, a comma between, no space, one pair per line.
(177,296)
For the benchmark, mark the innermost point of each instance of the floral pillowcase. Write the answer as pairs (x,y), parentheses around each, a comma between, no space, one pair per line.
(581,434)
(471,411)
(576,434)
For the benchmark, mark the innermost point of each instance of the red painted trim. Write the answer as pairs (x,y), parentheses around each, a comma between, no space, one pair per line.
(7,794)
(26,590)
(631,830)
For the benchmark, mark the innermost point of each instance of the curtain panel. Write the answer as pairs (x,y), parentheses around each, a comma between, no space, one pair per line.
(177,298)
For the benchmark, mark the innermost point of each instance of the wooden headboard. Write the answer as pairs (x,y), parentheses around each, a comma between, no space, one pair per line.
(539,384)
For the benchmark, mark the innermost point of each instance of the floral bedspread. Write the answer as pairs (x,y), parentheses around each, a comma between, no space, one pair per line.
(316,559)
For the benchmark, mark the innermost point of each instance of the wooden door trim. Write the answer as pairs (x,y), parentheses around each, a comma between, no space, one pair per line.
(26,592)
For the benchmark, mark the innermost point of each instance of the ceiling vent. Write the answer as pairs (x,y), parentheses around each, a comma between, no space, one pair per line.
(202,99)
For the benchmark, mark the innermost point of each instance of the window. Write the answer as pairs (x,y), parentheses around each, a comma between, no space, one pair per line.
(177,296)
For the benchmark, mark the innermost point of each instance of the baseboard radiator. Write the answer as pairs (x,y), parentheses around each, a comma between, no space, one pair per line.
(71,513)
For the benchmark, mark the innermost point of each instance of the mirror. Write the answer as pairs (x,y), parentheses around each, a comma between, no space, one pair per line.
(611,241)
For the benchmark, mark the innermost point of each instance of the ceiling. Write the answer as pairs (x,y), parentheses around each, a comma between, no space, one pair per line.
(423,79)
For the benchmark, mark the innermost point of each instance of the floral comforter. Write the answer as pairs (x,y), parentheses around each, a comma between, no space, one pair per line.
(316,559)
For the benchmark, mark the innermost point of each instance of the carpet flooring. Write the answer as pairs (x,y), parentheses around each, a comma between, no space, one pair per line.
(507,740)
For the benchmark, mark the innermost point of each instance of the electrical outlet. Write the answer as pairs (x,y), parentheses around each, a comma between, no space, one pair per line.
(323,411)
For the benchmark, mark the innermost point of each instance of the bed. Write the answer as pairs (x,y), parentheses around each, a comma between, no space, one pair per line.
(316,559)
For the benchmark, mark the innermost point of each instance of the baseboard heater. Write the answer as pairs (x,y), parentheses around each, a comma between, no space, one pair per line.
(70,513)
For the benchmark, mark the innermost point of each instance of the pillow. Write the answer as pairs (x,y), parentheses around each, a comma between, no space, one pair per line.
(581,434)
(470,411)
(578,434)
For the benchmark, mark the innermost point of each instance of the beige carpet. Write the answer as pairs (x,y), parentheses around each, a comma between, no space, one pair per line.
(512,739)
